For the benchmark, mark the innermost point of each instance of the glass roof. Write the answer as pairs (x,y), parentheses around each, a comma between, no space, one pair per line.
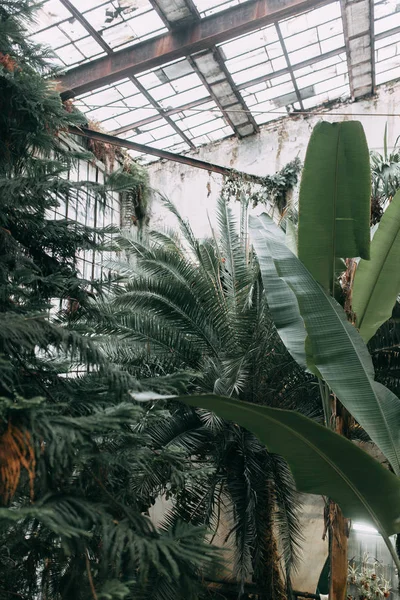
(387,40)
(119,22)
(293,65)
(210,7)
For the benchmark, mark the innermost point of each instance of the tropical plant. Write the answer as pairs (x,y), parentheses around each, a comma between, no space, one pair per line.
(199,306)
(319,334)
(335,353)
(77,468)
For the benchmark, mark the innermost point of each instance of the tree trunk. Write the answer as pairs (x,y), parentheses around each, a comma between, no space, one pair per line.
(338,525)
(338,537)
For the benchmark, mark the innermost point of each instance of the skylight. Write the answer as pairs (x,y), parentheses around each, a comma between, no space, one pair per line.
(294,64)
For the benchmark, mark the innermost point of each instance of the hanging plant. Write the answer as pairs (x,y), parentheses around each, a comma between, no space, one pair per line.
(274,189)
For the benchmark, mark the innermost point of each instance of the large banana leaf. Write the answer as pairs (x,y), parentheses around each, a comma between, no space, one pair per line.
(322,462)
(281,298)
(377,282)
(334,350)
(334,203)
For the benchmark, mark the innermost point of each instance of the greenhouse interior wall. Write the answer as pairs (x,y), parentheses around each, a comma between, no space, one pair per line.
(195,191)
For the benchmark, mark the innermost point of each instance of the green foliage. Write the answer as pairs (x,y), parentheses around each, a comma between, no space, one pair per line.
(377,282)
(198,306)
(334,199)
(79,467)
(274,189)
(321,461)
(333,349)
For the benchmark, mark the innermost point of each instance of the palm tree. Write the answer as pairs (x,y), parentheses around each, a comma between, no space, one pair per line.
(198,306)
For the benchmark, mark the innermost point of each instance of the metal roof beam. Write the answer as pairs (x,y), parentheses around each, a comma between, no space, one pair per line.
(175,13)
(186,40)
(301,65)
(186,160)
(85,23)
(166,113)
(168,119)
(358,25)
(211,69)
(286,55)
(251,126)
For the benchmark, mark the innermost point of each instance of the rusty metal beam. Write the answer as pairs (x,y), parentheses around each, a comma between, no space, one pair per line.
(186,160)
(201,35)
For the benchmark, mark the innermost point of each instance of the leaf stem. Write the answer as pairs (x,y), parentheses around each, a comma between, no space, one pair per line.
(89,573)
(326,404)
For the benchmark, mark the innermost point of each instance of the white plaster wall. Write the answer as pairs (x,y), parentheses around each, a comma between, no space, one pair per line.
(195,191)
(314,549)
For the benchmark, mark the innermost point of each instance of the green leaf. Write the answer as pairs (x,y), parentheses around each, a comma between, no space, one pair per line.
(377,282)
(335,349)
(334,203)
(281,298)
(322,462)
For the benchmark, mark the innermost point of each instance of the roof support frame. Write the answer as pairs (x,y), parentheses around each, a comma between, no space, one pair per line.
(172,111)
(359,40)
(249,125)
(176,44)
(85,23)
(160,13)
(210,91)
(347,44)
(224,108)
(221,62)
(160,7)
(162,113)
(372,36)
(241,86)
(301,65)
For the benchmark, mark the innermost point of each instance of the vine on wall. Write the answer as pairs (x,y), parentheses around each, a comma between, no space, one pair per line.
(274,189)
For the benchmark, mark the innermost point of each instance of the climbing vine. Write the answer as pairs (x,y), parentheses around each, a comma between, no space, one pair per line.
(272,189)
